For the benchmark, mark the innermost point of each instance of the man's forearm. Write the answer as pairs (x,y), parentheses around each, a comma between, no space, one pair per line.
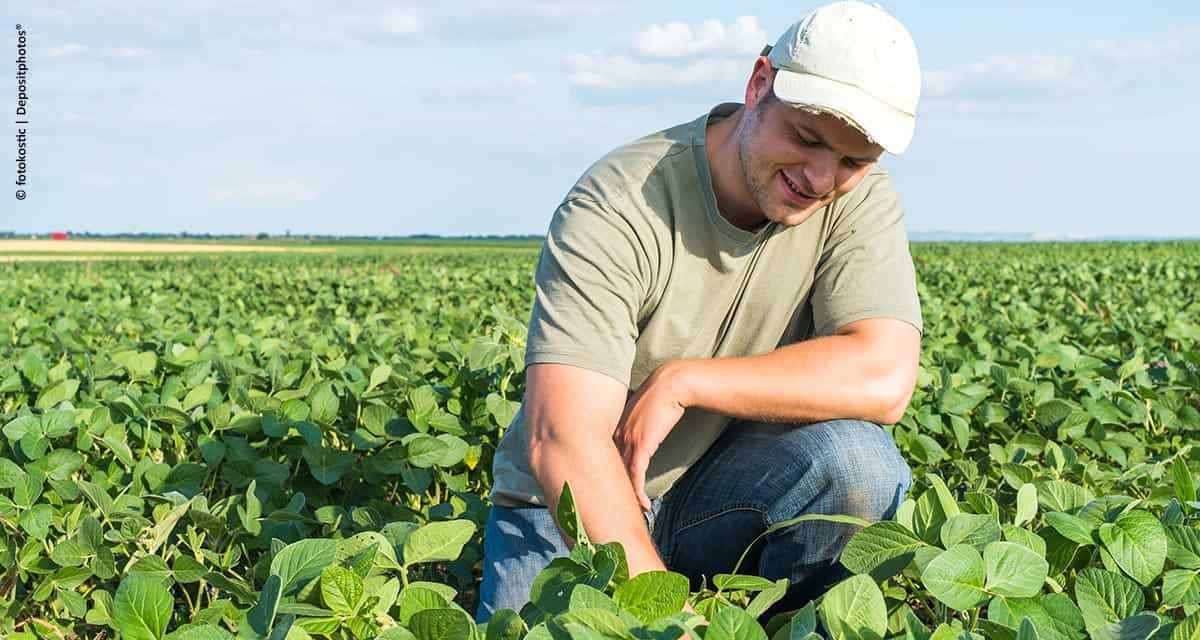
(602,488)
(838,376)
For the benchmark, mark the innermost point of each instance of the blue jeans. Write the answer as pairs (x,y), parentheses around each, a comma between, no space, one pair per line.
(754,475)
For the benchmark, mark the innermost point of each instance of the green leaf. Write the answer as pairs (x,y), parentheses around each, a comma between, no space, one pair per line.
(36,521)
(56,393)
(341,590)
(437,541)
(653,594)
(10,473)
(202,632)
(767,597)
(379,375)
(395,633)
(165,525)
(955,577)
(197,396)
(1189,629)
(569,518)
(1105,597)
(1131,366)
(442,624)
(1139,627)
(327,465)
(968,528)
(502,411)
(1183,546)
(732,623)
(302,561)
(854,609)
(1027,630)
(506,624)
(1030,539)
(1053,412)
(261,617)
(1071,527)
(887,545)
(418,598)
(1060,495)
(426,451)
(1137,543)
(1185,487)
(141,608)
(1181,587)
(1027,504)
(606,623)
(69,553)
(1013,570)
(152,566)
(323,404)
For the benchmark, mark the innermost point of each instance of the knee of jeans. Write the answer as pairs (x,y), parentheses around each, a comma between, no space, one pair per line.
(862,471)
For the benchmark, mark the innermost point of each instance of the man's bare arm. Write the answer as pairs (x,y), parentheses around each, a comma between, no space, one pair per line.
(866,370)
(571,413)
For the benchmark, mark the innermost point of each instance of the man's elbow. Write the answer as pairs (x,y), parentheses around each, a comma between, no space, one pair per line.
(548,446)
(544,445)
(891,398)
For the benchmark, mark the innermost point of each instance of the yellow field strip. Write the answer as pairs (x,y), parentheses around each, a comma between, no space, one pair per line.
(130,246)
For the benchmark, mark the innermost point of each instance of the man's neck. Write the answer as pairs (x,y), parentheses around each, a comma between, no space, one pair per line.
(735,203)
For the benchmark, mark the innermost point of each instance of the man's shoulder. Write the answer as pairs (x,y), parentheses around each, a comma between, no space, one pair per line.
(624,173)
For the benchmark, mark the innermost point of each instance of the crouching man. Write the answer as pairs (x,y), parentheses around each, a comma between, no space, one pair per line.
(725,314)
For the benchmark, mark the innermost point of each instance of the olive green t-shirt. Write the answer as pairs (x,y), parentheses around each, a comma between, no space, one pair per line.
(639,267)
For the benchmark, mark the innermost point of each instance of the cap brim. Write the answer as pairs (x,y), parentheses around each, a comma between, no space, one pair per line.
(888,126)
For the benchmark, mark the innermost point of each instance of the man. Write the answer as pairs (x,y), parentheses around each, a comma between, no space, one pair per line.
(748,274)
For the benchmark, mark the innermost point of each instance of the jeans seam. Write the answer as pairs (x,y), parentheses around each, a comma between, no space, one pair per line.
(703,517)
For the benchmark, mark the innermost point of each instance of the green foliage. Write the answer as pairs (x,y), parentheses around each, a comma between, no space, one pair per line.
(295,447)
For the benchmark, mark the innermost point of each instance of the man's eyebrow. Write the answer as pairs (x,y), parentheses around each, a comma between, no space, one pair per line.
(823,142)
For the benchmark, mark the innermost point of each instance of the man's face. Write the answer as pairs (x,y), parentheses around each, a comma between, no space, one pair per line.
(796,161)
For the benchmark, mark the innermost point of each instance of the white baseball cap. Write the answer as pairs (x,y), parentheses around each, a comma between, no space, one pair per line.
(857,61)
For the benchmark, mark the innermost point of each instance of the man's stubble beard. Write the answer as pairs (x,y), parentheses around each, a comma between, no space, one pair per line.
(748,130)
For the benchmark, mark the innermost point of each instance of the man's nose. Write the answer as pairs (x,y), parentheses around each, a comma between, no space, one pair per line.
(821,173)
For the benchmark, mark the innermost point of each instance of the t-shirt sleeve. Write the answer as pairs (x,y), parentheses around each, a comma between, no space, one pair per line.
(589,289)
(866,270)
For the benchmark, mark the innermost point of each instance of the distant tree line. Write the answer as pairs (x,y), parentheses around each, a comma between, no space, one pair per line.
(268,236)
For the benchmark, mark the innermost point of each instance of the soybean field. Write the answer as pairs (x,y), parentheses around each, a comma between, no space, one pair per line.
(298,445)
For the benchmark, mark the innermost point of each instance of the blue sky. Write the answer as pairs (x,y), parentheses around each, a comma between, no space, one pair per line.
(475,117)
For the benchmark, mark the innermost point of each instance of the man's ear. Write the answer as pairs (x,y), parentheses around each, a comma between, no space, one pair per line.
(760,81)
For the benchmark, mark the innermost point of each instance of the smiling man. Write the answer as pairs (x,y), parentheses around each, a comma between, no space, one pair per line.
(725,314)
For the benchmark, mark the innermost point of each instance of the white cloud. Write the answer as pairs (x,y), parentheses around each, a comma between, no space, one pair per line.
(1173,47)
(603,72)
(487,88)
(545,8)
(1015,75)
(672,61)
(1028,79)
(400,23)
(743,36)
(284,190)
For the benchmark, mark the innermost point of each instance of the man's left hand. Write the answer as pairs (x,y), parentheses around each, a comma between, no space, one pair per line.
(650,414)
